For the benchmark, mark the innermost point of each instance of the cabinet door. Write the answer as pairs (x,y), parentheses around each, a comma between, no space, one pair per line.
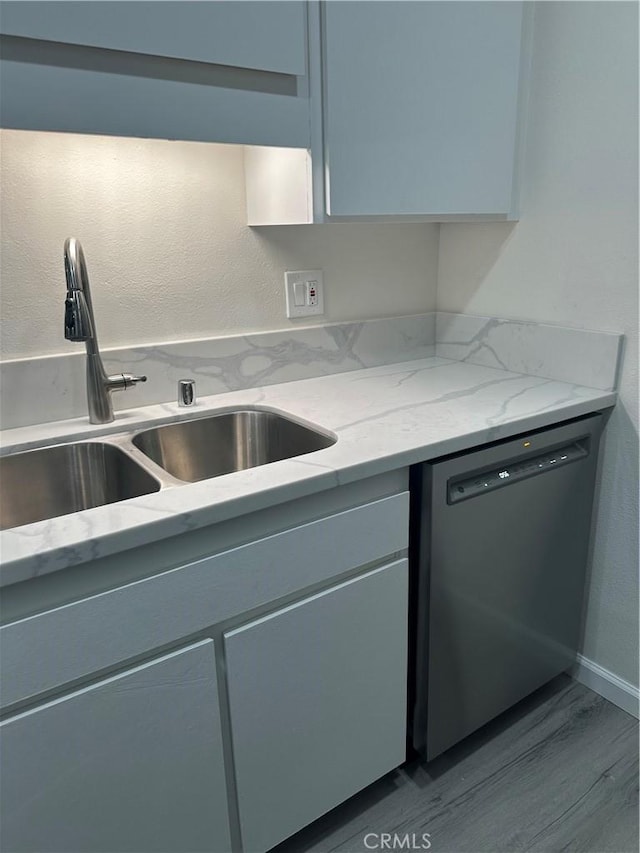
(131,763)
(318,702)
(118,68)
(421,106)
(268,35)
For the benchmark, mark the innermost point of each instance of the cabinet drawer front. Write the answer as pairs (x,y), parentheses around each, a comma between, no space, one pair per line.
(131,763)
(70,642)
(317,695)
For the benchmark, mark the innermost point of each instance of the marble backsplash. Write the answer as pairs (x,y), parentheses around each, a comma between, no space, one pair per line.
(52,388)
(580,356)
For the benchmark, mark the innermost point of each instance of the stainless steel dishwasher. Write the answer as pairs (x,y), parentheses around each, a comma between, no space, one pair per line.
(500,553)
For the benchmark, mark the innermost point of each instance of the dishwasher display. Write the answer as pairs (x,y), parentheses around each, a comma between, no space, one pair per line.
(500,545)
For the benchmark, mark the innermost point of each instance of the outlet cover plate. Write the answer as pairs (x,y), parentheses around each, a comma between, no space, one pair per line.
(309,279)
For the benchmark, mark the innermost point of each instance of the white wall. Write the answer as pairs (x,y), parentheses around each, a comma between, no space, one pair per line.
(169,254)
(573,259)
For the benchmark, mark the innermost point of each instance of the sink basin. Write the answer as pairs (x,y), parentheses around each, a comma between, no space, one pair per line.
(231,441)
(53,481)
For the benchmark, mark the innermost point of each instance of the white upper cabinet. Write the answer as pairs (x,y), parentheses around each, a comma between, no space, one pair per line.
(268,35)
(356,109)
(214,71)
(417,109)
(421,107)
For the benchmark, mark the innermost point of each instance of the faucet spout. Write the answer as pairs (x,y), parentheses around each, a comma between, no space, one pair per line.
(80,326)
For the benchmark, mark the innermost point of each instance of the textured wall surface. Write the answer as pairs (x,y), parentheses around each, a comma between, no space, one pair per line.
(573,259)
(169,254)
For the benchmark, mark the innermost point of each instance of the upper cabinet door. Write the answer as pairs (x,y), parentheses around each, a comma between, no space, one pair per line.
(421,107)
(268,35)
(229,71)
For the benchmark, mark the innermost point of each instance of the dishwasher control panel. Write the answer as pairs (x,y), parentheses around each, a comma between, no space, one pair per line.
(470,487)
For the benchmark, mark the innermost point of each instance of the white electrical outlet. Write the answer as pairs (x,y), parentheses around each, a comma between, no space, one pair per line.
(304,291)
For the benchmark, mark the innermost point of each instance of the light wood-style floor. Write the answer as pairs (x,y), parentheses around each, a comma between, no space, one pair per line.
(559,772)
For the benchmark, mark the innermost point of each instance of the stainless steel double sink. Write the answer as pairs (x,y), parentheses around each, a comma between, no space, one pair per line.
(66,478)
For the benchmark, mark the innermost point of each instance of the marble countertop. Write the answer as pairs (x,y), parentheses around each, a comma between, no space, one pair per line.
(383,417)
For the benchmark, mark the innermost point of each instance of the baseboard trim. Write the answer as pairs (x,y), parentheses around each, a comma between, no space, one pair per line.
(622,693)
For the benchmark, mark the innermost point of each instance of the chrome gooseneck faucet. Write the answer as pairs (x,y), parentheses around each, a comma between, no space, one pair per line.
(80,325)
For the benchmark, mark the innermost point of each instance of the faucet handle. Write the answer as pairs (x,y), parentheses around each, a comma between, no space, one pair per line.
(123,381)
(130,380)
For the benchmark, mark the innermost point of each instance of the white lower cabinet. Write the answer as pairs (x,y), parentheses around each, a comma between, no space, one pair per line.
(317,696)
(130,763)
(103,752)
